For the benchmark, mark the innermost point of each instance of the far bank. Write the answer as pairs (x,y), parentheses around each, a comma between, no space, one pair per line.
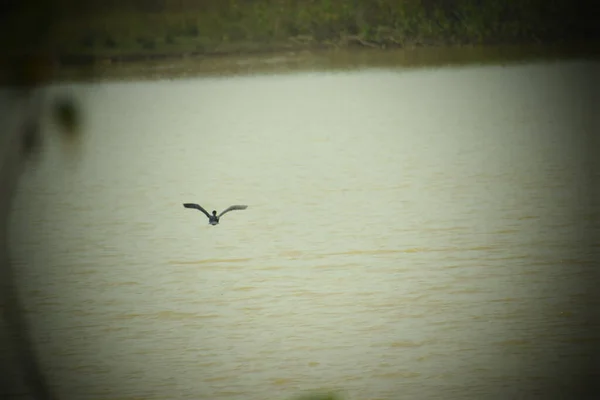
(36,70)
(132,30)
(97,35)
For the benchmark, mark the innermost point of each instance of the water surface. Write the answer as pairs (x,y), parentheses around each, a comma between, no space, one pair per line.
(410,234)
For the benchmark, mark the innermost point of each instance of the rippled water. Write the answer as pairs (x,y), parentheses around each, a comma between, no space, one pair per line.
(410,234)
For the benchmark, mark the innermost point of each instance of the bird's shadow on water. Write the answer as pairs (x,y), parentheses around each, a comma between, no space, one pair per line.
(318,395)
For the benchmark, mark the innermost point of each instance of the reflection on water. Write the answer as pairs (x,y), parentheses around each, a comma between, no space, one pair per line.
(421,233)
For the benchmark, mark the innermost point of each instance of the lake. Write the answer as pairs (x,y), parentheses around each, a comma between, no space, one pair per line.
(410,233)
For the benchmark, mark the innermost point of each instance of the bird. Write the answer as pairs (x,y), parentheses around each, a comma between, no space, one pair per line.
(214,218)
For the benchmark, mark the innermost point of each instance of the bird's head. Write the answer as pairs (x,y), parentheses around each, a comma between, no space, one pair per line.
(214,212)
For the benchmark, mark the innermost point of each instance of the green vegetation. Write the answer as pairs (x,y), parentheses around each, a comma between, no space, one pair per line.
(108,29)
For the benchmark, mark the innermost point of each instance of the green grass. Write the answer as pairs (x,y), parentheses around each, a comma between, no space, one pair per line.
(228,26)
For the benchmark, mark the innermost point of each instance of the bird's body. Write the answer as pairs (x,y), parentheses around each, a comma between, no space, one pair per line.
(213,219)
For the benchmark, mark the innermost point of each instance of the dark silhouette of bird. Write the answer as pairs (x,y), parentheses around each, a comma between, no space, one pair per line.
(214,218)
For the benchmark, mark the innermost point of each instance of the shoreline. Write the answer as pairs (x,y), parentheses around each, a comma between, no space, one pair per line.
(33,70)
(81,59)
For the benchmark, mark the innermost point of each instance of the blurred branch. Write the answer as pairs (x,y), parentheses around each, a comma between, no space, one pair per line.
(27,63)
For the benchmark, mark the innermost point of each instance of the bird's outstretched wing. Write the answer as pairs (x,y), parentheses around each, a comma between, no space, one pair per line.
(237,207)
(197,207)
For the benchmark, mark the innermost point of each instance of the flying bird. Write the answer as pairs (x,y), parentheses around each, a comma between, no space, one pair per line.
(214,218)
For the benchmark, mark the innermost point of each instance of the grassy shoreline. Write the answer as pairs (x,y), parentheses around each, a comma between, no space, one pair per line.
(46,34)
(33,71)
(132,30)
(342,60)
